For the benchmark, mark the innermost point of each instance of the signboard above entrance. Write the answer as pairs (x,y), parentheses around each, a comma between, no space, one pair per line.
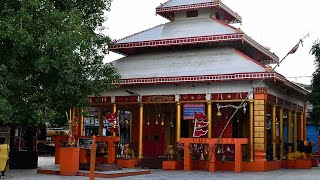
(190,109)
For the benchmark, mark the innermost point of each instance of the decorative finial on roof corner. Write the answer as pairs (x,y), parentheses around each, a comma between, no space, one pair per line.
(269,68)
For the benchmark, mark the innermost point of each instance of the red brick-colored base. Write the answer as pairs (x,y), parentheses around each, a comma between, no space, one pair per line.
(298,164)
(315,161)
(172,165)
(257,166)
(262,166)
(225,165)
(198,165)
(99,174)
(127,163)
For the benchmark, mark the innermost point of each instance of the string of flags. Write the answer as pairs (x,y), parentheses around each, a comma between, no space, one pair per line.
(201,121)
(112,122)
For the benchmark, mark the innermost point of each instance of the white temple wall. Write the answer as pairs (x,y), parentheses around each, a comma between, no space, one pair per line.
(173,89)
(276,91)
(202,13)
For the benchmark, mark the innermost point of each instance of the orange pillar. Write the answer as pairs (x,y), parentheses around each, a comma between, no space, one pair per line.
(112,149)
(281,134)
(178,121)
(140,131)
(251,131)
(209,113)
(212,164)
(81,123)
(187,157)
(301,127)
(93,158)
(260,133)
(304,122)
(238,158)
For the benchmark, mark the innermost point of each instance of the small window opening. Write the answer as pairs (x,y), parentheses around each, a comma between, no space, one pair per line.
(218,16)
(192,13)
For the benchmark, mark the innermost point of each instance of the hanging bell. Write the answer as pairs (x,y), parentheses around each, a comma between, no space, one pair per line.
(201,157)
(223,158)
(219,151)
(228,149)
(219,113)
(162,123)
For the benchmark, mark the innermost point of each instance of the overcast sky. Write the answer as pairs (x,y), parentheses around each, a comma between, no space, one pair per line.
(277,24)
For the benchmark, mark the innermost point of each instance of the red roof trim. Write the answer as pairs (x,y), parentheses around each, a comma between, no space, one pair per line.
(212,78)
(179,41)
(160,10)
(260,48)
(203,78)
(250,59)
(225,24)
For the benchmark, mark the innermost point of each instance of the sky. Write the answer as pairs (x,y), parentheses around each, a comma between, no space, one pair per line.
(277,24)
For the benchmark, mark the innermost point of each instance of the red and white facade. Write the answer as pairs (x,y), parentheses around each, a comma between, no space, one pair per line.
(198,57)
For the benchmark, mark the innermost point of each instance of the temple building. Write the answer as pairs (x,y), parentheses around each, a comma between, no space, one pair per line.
(199,62)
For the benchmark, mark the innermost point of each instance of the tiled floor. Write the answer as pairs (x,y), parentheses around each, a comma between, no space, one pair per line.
(285,174)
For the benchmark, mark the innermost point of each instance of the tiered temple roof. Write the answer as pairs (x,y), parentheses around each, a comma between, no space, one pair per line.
(168,9)
(195,62)
(200,48)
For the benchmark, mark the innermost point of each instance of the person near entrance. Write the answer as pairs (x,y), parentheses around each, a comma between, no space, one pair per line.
(4,156)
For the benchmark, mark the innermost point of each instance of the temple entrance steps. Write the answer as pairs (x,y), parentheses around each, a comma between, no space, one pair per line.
(151,162)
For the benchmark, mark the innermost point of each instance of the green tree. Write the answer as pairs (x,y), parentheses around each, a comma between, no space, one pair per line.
(51,58)
(314,96)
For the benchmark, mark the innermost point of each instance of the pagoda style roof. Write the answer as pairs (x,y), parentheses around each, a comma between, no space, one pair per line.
(194,66)
(167,9)
(193,31)
(187,63)
(173,3)
(181,29)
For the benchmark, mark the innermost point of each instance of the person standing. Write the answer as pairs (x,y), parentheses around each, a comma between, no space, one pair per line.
(4,156)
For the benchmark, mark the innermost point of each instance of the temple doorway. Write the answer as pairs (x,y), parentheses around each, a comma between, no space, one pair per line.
(158,129)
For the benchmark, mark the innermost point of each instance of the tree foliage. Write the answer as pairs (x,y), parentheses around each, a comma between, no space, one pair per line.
(51,57)
(314,96)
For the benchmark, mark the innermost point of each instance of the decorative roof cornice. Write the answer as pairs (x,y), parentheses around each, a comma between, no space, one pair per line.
(180,41)
(261,48)
(213,78)
(162,10)
(197,40)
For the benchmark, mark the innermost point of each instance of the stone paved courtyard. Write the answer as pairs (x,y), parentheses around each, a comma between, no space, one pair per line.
(285,174)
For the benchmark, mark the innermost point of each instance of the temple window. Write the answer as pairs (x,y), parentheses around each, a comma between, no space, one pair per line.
(218,16)
(193,13)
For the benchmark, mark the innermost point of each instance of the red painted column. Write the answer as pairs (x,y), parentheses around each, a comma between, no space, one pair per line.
(112,149)
(212,164)
(93,158)
(187,157)
(238,158)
